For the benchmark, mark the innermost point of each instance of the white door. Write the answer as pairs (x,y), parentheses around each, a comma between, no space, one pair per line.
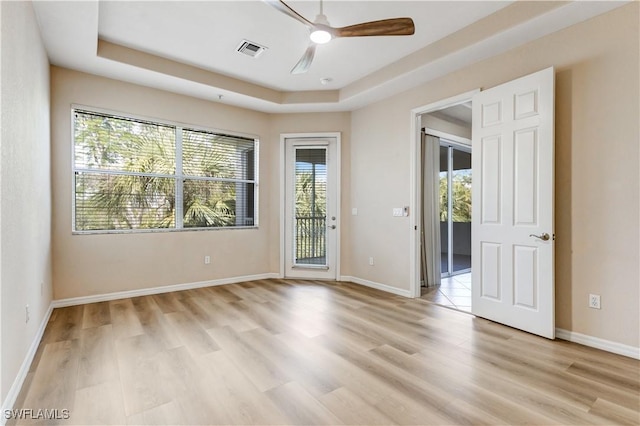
(512,219)
(311,208)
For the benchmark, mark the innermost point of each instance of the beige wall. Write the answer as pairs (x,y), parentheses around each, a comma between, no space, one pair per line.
(312,123)
(436,123)
(105,263)
(597,180)
(25,186)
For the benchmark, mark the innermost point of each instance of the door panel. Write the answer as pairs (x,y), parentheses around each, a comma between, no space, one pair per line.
(525,282)
(525,170)
(491,197)
(513,144)
(490,282)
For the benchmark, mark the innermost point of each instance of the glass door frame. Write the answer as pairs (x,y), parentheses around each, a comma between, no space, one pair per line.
(451,146)
(296,261)
(332,141)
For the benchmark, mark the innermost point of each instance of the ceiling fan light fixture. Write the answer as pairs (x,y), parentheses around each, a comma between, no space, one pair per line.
(322,32)
(320,36)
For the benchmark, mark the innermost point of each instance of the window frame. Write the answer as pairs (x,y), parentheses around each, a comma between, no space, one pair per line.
(179,176)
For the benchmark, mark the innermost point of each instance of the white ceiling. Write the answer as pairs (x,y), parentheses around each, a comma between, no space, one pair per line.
(192,45)
(206,34)
(458,114)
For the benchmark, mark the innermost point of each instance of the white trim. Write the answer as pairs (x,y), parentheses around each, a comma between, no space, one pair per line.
(598,343)
(16,387)
(179,182)
(283,207)
(283,146)
(377,286)
(448,137)
(73,301)
(414,170)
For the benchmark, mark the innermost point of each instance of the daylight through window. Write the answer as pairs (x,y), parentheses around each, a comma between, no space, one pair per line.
(132,174)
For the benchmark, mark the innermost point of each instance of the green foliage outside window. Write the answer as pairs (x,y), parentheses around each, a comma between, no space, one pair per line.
(461,197)
(125,176)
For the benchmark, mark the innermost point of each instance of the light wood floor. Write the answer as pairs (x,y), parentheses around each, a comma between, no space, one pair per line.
(307,352)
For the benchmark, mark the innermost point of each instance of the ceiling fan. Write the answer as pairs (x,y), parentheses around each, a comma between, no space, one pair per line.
(322,32)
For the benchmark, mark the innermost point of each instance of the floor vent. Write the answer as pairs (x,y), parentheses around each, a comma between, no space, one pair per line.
(250,48)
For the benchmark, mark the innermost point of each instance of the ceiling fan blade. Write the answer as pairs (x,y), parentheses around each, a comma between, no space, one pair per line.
(284,8)
(305,62)
(384,27)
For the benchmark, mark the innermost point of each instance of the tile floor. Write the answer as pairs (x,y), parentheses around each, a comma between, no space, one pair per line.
(454,292)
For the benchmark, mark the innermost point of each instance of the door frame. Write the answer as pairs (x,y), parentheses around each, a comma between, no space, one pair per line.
(284,137)
(415,150)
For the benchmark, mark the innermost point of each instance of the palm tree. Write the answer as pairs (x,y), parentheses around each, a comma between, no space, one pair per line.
(208,203)
(139,198)
(460,197)
(310,212)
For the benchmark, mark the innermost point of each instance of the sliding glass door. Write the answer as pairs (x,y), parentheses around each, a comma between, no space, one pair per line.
(455,208)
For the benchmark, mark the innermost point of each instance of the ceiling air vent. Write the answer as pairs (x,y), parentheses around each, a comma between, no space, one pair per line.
(250,48)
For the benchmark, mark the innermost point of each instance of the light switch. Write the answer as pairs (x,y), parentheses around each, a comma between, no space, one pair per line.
(397,211)
(354,211)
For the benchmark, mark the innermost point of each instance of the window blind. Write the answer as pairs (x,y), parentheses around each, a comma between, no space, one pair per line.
(133,174)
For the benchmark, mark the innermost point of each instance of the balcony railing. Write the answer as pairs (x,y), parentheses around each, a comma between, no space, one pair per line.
(311,234)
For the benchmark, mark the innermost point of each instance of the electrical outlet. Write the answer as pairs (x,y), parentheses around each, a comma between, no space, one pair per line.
(594,301)
(207,260)
(26,313)
(371,261)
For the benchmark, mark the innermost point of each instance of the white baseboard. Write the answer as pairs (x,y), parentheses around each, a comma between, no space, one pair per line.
(12,395)
(378,286)
(157,290)
(596,342)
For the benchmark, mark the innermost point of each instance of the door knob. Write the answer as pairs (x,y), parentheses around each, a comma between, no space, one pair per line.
(332,226)
(543,237)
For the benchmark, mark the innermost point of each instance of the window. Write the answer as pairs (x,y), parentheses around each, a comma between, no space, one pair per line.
(132,174)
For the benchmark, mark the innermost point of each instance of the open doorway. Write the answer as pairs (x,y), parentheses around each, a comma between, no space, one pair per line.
(446,201)
(512,220)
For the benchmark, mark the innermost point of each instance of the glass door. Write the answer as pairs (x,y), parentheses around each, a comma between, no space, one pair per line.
(310,194)
(444,210)
(311,209)
(455,208)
